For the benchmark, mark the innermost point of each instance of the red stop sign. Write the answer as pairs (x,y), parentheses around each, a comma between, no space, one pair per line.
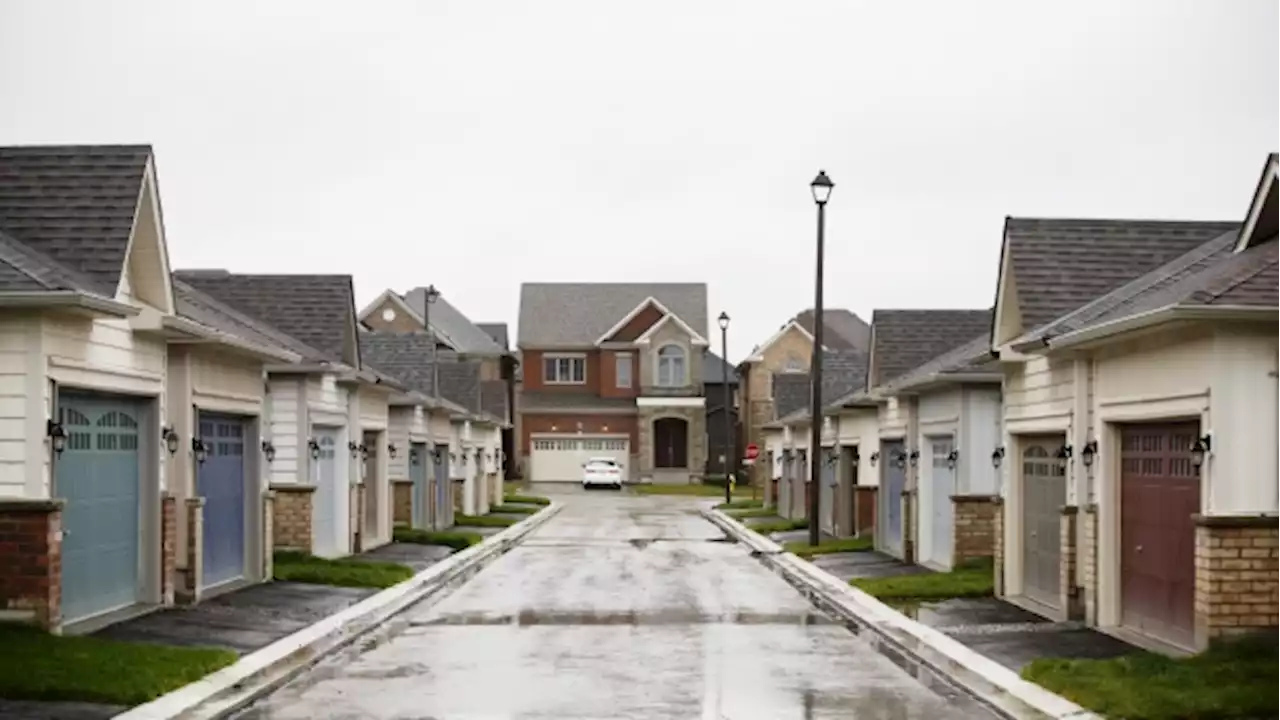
(753,451)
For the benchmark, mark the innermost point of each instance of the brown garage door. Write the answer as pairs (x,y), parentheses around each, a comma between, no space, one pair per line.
(1159,494)
(1044,488)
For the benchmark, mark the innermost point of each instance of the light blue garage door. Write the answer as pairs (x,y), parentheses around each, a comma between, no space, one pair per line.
(98,474)
(220,480)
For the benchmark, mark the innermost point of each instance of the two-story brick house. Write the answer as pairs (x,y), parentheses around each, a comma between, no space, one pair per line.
(613,369)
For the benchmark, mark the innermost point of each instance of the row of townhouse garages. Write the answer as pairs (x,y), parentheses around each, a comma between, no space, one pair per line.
(1106,434)
(162,432)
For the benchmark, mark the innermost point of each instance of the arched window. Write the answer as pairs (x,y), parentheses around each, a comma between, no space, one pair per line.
(671,366)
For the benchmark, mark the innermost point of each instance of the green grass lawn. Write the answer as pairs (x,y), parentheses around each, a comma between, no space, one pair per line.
(966,581)
(514,509)
(805,550)
(751,513)
(38,666)
(526,499)
(458,540)
(482,521)
(767,528)
(741,505)
(692,490)
(343,572)
(1233,680)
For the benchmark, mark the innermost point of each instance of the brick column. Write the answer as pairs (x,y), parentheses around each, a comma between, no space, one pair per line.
(188,592)
(908,527)
(974,518)
(997,530)
(864,506)
(168,547)
(268,534)
(1088,557)
(31,561)
(1237,582)
(402,502)
(291,517)
(1069,596)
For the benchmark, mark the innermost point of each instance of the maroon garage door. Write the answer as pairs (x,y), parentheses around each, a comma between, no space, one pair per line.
(1159,494)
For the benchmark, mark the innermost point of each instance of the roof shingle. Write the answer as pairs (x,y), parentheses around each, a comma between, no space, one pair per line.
(452,325)
(577,314)
(906,339)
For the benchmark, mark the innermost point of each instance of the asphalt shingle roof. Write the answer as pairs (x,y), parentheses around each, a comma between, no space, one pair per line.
(1062,264)
(973,356)
(577,314)
(842,373)
(452,324)
(498,332)
(715,370)
(407,358)
(842,329)
(906,339)
(74,204)
(207,310)
(24,269)
(493,399)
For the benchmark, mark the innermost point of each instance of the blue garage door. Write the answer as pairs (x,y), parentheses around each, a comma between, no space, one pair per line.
(220,480)
(99,477)
(893,467)
(418,460)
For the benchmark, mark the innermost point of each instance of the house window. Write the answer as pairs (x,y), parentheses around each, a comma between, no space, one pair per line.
(564,369)
(622,369)
(795,364)
(671,366)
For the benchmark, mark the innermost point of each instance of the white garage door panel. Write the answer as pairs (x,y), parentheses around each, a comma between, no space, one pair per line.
(560,459)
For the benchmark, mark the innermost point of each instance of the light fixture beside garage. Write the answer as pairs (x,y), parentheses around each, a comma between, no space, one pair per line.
(200,449)
(875,458)
(914,457)
(1200,449)
(268,450)
(855,456)
(1064,456)
(314,448)
(952,458)
(900,460)
(363,450)
(997,456)
(57,436)
(171,439)
(1089,452)
(831,459)
(354,449)
(413,457)
(391,449)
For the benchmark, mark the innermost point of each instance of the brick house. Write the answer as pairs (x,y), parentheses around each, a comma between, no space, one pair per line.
(718,377)
(613,369)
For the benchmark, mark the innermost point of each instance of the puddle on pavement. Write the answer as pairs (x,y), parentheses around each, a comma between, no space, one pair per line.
(632,618)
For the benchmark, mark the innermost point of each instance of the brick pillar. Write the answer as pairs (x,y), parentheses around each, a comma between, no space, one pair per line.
(31,561)
(974,518)
(1237,582)
(291,517)
(459,490)
(997,529)
(168,547)
(402,502)
(188,592)
(1069,595)
(864,507)
(268,534)
(908,527)
(1088,557)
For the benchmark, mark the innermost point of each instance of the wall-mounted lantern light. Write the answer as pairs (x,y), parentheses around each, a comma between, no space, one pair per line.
(953,457)
(1064,456)
(855,456)
(170,438)
(391,449)
(997,456)
(268,450)
(437,455)
(413,457)
(200,448)
(364,451)
(875,458)
(354,449)
(57,436)
(914,458)
(1200,449)
(831,458)
(1089,452)
(453,457)
(900,460)
(314,448)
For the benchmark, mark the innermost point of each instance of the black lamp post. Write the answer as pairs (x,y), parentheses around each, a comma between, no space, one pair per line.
(432,295)
(821,188)
(728,463)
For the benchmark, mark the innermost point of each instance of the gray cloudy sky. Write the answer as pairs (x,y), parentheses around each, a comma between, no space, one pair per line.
(477,145)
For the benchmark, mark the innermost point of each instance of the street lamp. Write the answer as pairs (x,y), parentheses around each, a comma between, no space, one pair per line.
(729,458)
(432,295)
(821,188)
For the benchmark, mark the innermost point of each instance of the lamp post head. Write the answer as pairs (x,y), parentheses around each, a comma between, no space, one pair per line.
(723,320)
(821,187)
(432,293)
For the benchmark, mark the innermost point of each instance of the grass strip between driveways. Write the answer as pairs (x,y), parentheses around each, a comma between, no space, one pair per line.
(692,490)
(751,513)
(483,521)
(343,572)
(514,509)
(35,665)
(975,579)
(526,499)
(841,545)
(1232,680)
(776,526)
(448,538)
(741,505)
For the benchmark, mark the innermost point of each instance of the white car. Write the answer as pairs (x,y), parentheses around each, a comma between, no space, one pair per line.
(601,472)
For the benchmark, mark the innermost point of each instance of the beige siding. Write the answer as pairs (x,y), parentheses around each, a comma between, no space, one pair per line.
(104,355)
(441,429)
(23,403)
(862,428)
(406,424)
(326,401)
(1036,390)
(373,409)
(894,417)
(226,383)
(288,429)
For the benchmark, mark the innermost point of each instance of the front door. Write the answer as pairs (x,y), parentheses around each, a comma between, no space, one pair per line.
(1159,494)
(1044,491)
(98,474)
(894,481)
(220,480)
(329,535)
(942,484)
(670,443)
(444,489)
(420,497)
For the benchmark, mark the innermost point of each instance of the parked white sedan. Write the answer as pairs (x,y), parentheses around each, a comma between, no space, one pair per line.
(601,472)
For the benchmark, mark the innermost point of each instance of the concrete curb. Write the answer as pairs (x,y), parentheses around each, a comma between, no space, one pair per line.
(261,672)
(936,660)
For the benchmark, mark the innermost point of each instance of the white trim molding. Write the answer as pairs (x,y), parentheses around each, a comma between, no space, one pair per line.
(651,300)
(682,402)
(694,337)
(1258,204)
(758,355)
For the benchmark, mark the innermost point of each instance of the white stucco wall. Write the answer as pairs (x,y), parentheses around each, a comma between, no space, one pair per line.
(861,428)
(892,418)
(289,429)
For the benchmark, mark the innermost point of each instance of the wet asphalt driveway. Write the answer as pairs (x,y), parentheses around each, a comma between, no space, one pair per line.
(619,607)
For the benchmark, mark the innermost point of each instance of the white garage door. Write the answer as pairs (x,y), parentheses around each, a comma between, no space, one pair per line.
(560,459)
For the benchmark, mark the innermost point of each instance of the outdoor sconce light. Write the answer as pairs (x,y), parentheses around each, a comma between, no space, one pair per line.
(268,450)
(314,447)
(200,448)
(171,439)
(413,457)
(1200,449)
(488,457)
(831,459)
(354,449)
(453,457)
(952,458)
(57,436)
(997,455)
(391,449)
(364,451)
(1088,453)
(855,456)
(900,460)
(436,456)
(914,457)
(1064,456)
(875,458)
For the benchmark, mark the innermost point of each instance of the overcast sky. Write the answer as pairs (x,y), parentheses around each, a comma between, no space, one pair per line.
(479,145)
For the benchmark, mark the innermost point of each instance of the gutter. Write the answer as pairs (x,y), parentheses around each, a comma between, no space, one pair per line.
(204,334)
(1161,316)
(68,299)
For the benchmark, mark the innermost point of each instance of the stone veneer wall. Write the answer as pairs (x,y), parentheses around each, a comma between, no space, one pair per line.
(864,501)
(697,448)
(997,529)
(187,591)
(1237,576)
(31,561)
(291,518)
(402,502)
(1088,559)
(168,547)
(974,527)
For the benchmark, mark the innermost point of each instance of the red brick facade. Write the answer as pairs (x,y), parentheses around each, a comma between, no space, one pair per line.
(568,423)
(975,527)
(31,561)
(168,547)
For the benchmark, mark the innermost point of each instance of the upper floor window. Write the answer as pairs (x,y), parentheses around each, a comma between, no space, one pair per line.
(794,364)
(622,369)
(671,366)
(564,369)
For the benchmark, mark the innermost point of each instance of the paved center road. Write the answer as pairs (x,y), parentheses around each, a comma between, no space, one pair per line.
(619,607)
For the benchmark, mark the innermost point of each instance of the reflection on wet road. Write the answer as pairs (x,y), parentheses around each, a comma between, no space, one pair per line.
(619,607)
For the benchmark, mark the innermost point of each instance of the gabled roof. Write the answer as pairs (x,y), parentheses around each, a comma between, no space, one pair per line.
(715,370)
(74,204)
(842,373)
(407,357)
(575,315)
(317,310)
(192,304)
(452,325)
(757,354)
(842,329)
(695,338)
(1262,219)
(25,269)
(493,399)
(1059,265)
(903,340)
(970,361)
(498,332)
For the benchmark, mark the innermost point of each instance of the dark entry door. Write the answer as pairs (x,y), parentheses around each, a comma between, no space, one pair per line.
(444,488)
(1159,494)
(220,480)
(1044,492)
(670,443)
(890,495)
(420,516)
